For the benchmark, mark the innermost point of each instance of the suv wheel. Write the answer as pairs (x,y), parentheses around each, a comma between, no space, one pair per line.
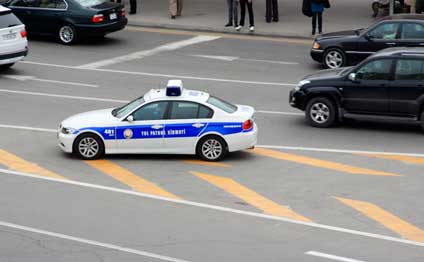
(334,58)
(212,148)
(88,147)
(67,34)
(320,112)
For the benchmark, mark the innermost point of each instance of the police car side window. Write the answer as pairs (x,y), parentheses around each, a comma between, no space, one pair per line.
(189,110)
(153,111)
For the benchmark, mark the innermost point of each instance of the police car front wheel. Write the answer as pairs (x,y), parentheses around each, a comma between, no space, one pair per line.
(212,148)
(88,147)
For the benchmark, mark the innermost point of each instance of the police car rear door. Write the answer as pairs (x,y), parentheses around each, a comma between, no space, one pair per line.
(187,120)
(143,130)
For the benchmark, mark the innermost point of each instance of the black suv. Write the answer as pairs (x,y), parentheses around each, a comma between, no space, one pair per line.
(388,85)
(339,49)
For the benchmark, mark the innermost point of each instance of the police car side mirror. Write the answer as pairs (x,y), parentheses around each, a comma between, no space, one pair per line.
(130,118)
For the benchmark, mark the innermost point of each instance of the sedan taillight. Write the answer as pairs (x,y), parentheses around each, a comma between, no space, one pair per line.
(23,34)
(98,18)
(123,12)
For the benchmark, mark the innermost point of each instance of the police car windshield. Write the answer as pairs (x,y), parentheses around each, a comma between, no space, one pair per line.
(221,104)
(126,109)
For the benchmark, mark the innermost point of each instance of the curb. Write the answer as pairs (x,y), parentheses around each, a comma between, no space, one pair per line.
(207,29)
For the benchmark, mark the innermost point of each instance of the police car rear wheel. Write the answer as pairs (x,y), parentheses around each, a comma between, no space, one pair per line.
(212,148)
(6,66)
(88,147)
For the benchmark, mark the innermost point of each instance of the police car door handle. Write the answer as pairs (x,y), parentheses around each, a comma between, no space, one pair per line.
(157,126)
(198,125)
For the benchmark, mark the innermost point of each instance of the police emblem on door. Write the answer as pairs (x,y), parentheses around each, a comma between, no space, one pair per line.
(128,133)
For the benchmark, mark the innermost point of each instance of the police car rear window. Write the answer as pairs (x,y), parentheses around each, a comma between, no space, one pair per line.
(8,19)
(221,104)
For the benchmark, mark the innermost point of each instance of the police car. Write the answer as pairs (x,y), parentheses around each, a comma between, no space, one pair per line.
(163,121)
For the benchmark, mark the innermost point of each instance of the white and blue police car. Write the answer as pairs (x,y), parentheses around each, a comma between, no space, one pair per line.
(163,121)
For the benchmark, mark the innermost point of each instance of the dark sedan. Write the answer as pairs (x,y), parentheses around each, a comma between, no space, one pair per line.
(69,20)
(339,49)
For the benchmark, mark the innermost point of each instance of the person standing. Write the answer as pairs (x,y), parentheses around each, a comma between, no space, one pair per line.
(249,4)
(232,12)
(317,8)
(271,11)
(175,8)
(133,6)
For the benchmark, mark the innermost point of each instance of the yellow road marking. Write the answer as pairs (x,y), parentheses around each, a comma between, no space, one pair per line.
(387,219)
(128,178)
(18,164)
(222,35)
(320,163)
(250,197)
(406,159)
(205,163)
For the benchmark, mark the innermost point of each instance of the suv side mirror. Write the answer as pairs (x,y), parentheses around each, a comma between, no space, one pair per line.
(130,118)
(352,77)
(369,37)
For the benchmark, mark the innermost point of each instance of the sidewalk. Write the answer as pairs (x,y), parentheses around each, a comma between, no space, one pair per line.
(211,15)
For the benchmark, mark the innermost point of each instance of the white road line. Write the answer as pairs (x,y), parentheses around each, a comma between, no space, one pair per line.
(331,257)
(269,61)
(33,78)
(62,96)
(346,151)
(167,75)
(90,242)
(218,208)
(151,52)
(279,113)
(27,128)
(234,58)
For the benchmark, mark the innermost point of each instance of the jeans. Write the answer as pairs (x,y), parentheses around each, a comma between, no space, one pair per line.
(233,11)
(316,15)
(271,10)
(249,4)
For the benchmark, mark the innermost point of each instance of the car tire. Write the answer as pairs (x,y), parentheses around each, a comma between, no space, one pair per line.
(334,58)
(211,148)
(67,34)
(320,112)
(88,147)
(6,66)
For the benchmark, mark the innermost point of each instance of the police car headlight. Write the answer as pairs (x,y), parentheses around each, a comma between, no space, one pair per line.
(68,130)
(301,83)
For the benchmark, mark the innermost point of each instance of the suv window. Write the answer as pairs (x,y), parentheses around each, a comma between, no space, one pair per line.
(409,70)
(153,111)
(26,3)
(189,110)
(60,4)
(375,70)
(412,31)
(385,31)
(8,20)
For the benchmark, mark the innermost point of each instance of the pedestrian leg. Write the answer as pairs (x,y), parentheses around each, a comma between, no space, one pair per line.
(268,11)
(179,7)
(314,22)
(230,4)
(251,16)
(320,22)
(275,13)
(133,7)
(173,8)
(242,12)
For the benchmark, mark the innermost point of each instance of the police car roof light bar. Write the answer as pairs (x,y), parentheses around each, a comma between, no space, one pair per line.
(174,88)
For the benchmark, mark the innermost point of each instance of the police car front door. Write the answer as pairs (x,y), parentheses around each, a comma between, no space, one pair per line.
(145,133)
(187,120)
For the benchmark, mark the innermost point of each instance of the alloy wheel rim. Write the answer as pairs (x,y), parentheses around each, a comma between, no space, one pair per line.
(212,149)
(334,59)
(66,34)
(88,147)
(320,113)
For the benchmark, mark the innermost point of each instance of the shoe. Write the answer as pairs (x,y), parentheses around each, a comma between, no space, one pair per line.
(172,16)
(239,27)
(313,32)
(252,29)
(275,20)
(229,24)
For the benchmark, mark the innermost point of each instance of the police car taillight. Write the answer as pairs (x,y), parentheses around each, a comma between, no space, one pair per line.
(248,124)
(174,88)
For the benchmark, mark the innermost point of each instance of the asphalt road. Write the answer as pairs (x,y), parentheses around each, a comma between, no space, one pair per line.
(305,194)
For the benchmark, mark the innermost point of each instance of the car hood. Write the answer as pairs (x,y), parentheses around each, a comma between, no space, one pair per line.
(97,118)
(325,74)
(339,34)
